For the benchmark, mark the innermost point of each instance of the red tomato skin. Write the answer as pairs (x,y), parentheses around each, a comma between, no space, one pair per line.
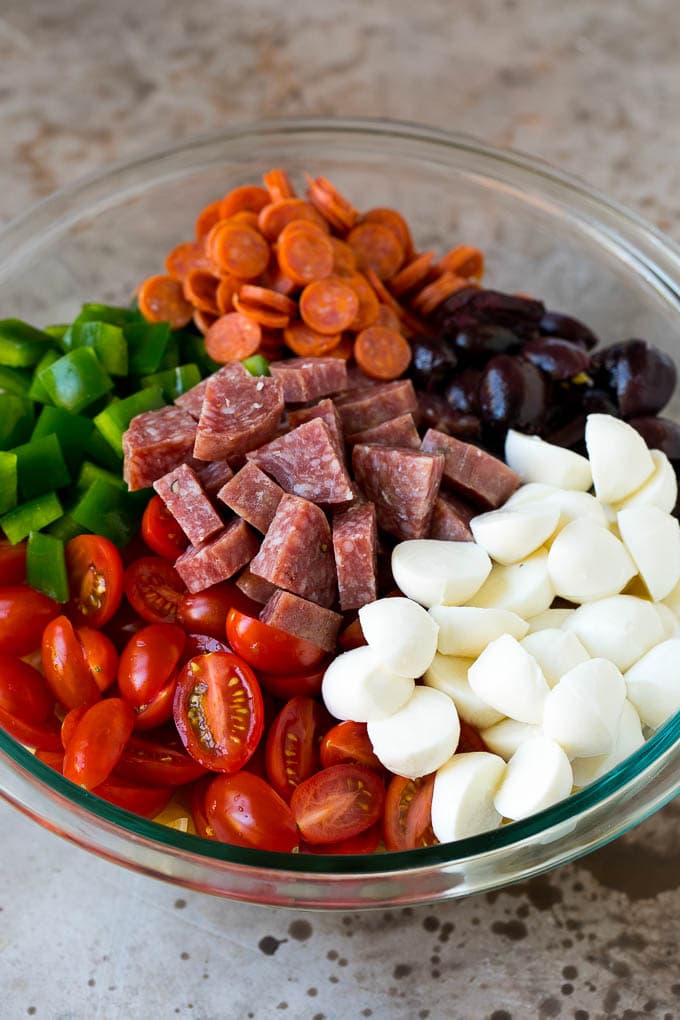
(292,747)
(24,614)
(351,637)
(64,665)
(161,532)
(268,648)
(202,644)
(43,737)
(307,684)
(23,691)
(154,589)
(100,656)
(205,612)
(407,820)
(149,763)
(97,742)
(349,743)
(147,801)
(69,723)
(55,759)
(469,739)
(158,710)
(148,661)
(12,562)
(197,806)
(338,803)
(95,572)
(244,810)
(366,842)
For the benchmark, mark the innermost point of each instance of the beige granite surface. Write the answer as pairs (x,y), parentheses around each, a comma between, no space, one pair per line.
(593,87)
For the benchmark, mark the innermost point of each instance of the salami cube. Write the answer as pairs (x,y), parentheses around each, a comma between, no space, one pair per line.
(192,400)
(297,552)
(403,484)
(358,380)
(327,411)
(451,519)
(155,443)
(212,474)
(475,474)
(309,378)
(399,431)
(305,462)
(256,588)
(370,406)
(302,619)
(219,559)
(355,544)
(253,496)
(240,412)
(184,497)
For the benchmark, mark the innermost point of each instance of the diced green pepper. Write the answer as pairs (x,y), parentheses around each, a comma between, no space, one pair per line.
(114,314)
(8,481)
(21,345)
(106,510)
(174,381)
(57,331)
(170,358)
(114,420)
(46,566)
(16,420)
(40,467)
(72,430)
(103,453)
(31,516)
(76,380)
(147,343)
(192,348)
(107,342)
(66,528)
(15,380)
(256,365)
(90,472)
(37,391)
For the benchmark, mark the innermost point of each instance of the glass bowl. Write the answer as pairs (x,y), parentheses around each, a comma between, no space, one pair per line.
(543,233)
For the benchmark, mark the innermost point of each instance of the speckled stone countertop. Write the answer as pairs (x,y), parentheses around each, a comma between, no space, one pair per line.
(593,88)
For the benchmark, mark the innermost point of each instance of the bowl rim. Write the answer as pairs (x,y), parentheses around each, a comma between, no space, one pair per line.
(644,241)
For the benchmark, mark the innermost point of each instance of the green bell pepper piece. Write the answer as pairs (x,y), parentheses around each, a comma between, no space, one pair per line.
(107,342)
(90,472)
(174,381)
(31,516)
(66,528)
(76,380)
(15,380)
(106,510)
(72,430)
(114,420)
(16,420)
(147,343)
(46,566)
(57,331)
(21,345)
(8,481)
(256,365)
(192,348)
(37,391)
(103,453)
(40,467)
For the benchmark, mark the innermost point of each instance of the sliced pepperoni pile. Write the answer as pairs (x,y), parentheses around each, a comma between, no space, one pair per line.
(310,276)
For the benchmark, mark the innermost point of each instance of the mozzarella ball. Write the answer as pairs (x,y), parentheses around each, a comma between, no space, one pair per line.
(534,460)
(587,562)
(401,634)
(436,573)
(582,711)
(358,686)
(523,588)
(572,505)
(628,738)
(537,776)
(621,628)
(467,630)
(619,458)
(462,798)
(509,536)
(506,736)
(449,674)
(556,652)
(549,619)
(653,683)
(420,737)
(660,489)
(652,537)
(506,677)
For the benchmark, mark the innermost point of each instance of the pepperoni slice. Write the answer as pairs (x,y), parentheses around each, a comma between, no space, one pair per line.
(412,275)
(333,206)
(307,342)
(344,259)
(377,247)
(433,294)
(388,319)
(277,215)
(207,218)
(232,337)
(160,299)
(187,256)
(278,185)
(269,297)
(264,306)
(329,306)
(245,216)
(382,353)
(344,350)
(203,320)
(226,292)
(383,293)
(369,306)
(200,288)
(239,250)
(396,223)
(305,252)
(463,260)
(246,198)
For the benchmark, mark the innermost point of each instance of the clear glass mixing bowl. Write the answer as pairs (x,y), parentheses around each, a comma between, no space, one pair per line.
(543,233)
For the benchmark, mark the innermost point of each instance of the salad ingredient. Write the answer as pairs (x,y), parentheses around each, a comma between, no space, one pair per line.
(348,743)
(161,300)
(303,619)
(156,442)
(305,379)
(449,674)
(239,412)
(337,803)
(652,538)
(154,589)
(556,652)
(401,634)
(509,536)
(660,489)
(203,566)
(66,666)
(152,764)
(382,353)
(183,495)
(358,686)
(268,648)
(205,612)
(419,737)
(97,742)
(582,710)
(509,679)
(12,563)
(292,748)
(523,588)
(621,628)
(471,471)
(537,775)
(252,495)
(619,458)
(463,795)
(534,460)
(148,661)
(587,562)
(466,630)
(403,485)
(233,337)
(24,614)
(23,691)
(437,573)
(407,819)
(244,810)
(506,735)
(305,462)
(628,738)
(161,532)
(653,683)
(355,547)
(95,575)
(46,566)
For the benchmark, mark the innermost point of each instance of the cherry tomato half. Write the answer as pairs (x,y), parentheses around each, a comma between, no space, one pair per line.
(304,683)
(407,822)
(65,667)
(351,637)
(148,661)
(41,737)
(218,710)
(100,656)
(469,739)
(244,810)
(23,691)
(364,843)
(97,742)
(158,710)
(95,574)
(154,589)
(161,532)
(70,721)
(147,801)
(151,764)
(24,614)
(268,648)
(338,803)
(197,806)
(201,644)
(12,562)
(205,612)
(292,749)
(349,743)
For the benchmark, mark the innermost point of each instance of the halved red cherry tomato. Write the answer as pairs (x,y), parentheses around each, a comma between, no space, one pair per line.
(151,764)
(363,843)
(351,637)
(12,562)
(55,759)
(348,743)
(41,737)
(469,739)
(23,691)
(97,742)
(407,823)
(147,801)
(154,589)
(244,810)
(95,574)
(66,669)
(218,710)
(268,648)
(201,644)
(148,661)
(158,710)
(161,532)
(338,803)
(100,656)
(197,807)
(304,683)
(205,612)
(292,749)
(70,721)
(24,614)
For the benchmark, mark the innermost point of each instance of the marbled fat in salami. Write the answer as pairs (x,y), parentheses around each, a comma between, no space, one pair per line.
(253,496)
(475,474)
(370,406)
(355,545)
(302,619)
(155,443)
(185,499)
(327,411)
(403,484)
(451,519)
(399,431)
(305,462)
(192,400)
(306,379)
(240,412)
(219,559)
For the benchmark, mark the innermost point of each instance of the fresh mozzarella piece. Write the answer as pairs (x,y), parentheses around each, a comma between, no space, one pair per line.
(572,505)
(537,776)
(628,738)
(619,458)
(506,677)
(673,600)
(549,619)
(438,573)
(587,562)
(358,686)
(523,588)
(467,630)
(653,683)
(669,621)
(582,711)
(532,492)
(506,736)
(621,628)
(509,536)
(556,652)
(660,489)
(462,798)
(420,737)
(534,460)
(402,635)
(652,538)
(449,674)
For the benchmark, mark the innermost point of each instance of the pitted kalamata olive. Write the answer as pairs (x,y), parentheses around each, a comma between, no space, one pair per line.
(434,412)
(597,401)
(461,391)
(570,433)
(483,341)
(559,359)
(469,308)
(660,434)
(433,362)
(567,328)
(642,376)
(513,394)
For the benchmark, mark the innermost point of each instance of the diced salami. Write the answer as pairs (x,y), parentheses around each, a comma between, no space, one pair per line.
(302,619)
(451,519)
(399,431)
(305,462)
(256,588)
(370,406)
(309,378)
(155,443)
(403,484)
(327,411)
(253,496)
(474,473)
(219,559)
(240,412)
(212,474)
(192,400)
(358,380)
(355,545)
(184,497)
(297,552)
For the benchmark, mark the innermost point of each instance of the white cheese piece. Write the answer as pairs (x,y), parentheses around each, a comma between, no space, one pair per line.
(523,588)
(506,677)
(509,536)
(621,628)
(586,562)
(401,633)
(506,736)
(652,537)
(534,460)
(660,489)
(582,711)
(619,458)
(653,683)
(463,793)
(436,573)
(449,674)
(467,630)
(420,737)
(358,686)
(537,776)
(556,652)
(628,738)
